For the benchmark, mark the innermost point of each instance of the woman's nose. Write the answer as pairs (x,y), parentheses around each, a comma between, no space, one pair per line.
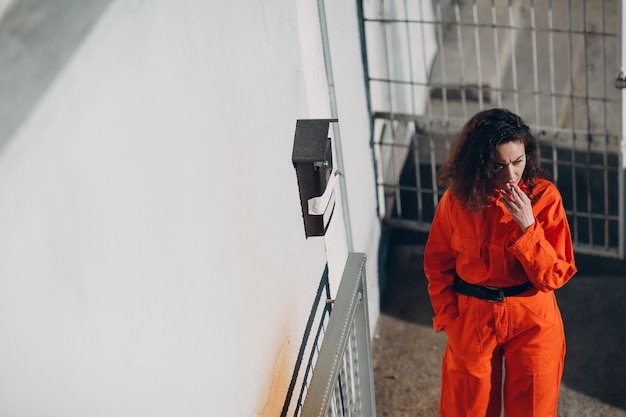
(510,172)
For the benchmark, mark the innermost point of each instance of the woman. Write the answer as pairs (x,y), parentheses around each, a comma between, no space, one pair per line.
(499,246)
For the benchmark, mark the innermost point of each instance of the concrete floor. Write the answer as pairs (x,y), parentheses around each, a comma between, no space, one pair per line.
(407,352)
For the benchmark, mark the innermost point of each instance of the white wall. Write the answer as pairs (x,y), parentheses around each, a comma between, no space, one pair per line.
(152,253)
(354,122)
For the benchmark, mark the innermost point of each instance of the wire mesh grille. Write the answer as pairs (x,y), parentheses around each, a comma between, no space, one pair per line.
(431,66)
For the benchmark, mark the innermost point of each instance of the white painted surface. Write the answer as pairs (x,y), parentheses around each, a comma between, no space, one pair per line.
(152,253)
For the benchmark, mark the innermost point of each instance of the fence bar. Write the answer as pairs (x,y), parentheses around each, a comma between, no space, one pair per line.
(347,337)
(559,79)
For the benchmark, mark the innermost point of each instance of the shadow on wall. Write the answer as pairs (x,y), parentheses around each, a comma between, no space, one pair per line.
(37,38)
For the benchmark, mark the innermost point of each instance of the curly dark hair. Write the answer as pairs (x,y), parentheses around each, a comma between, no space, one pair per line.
(468,171)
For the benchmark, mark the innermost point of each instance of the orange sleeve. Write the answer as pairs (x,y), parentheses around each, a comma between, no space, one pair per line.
(439,266)
(545,249)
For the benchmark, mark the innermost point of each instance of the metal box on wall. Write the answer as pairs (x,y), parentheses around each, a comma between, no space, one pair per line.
(312,159)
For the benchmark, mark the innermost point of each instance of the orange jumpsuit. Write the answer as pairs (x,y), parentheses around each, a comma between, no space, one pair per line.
(490,249)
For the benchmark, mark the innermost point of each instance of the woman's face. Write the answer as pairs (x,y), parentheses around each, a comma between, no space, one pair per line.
(509,164)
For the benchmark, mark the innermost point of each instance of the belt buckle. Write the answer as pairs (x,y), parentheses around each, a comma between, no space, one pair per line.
(499,297)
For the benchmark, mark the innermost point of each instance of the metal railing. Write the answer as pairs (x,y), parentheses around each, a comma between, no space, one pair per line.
(309,348)
(342,383)
(431,65)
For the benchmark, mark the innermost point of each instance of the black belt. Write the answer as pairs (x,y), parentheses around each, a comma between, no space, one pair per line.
(489,293)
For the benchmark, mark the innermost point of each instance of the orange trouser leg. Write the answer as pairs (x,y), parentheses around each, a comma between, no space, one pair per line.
(534,359)
(472,364)
(463,393)
(529,333)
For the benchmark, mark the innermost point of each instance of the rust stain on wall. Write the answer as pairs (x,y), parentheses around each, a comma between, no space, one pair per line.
(279,381)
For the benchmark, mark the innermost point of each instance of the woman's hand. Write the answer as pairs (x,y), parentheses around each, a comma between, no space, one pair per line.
(518,204)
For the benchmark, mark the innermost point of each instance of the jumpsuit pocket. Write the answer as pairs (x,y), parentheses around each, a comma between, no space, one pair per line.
(541,309)
(468,255)
(538,345)
(462,307)
(467,246)
(464,338)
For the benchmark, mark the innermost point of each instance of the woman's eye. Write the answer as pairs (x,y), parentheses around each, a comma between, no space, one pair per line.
(498,167)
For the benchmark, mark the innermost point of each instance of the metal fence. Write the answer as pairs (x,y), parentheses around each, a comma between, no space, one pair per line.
(342,382)
(432,65)
(309,348)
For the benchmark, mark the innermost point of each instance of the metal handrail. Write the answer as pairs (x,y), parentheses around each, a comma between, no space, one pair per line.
(343,381)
